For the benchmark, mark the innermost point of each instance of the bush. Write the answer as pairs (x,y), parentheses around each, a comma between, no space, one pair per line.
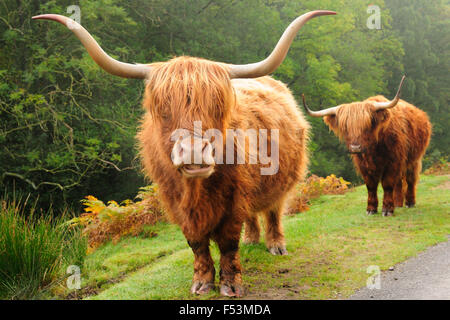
(441,167)
(35,252)
(314,187)
(104,222)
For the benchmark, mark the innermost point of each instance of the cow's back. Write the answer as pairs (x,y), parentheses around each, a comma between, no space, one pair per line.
(418,129)
(265,103)
(411,125)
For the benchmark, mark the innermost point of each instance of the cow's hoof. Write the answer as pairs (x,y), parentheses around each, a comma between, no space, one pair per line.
(388,213)
(279,250)
(232,290)
(199,287)
(371,212)
(410,205)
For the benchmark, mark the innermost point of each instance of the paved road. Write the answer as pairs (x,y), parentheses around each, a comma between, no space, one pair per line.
(424,277)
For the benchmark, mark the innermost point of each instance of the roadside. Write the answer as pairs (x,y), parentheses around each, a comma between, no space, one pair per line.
(425,277)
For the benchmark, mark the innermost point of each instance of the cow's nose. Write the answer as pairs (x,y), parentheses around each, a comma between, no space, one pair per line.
(355,148)
(192,151)
(207,153)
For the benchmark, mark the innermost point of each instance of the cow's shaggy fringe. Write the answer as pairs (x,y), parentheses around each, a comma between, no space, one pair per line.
(188,86)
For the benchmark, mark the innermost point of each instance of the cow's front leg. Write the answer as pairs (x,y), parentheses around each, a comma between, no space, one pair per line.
(227,238)
(372,199)
(204,272)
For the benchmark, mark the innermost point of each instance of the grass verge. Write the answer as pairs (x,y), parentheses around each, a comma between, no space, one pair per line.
(330,248)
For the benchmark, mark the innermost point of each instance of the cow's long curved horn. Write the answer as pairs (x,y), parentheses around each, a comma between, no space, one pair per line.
(117,68)
(392,103)
(273,61)
(321,113)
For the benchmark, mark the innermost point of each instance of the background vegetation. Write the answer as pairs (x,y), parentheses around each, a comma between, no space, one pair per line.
(35,251)
(67,128)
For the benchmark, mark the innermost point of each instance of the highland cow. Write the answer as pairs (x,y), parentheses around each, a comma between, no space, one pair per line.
(207,199)
(387,140)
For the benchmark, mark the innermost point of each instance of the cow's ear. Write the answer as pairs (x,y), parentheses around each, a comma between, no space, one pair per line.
(330,121)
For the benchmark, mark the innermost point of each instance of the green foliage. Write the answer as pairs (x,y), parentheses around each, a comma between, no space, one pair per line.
(62,120)
(35,252)
(67,128)
(423,26)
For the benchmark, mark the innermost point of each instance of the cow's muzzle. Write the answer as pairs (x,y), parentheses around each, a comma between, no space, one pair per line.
(355,148)
(193,157)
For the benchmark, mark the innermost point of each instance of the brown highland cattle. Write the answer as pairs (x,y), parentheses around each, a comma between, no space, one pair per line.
(212,200)
(387,140)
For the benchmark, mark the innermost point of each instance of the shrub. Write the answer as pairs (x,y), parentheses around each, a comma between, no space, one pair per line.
(112,221)
(35,251)
(314,187)
(441,167)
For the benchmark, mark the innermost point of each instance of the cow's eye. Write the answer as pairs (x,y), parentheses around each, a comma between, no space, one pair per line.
(165,116)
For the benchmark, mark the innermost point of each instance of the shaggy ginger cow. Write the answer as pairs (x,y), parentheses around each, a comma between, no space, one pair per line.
(209,199)
(387,140)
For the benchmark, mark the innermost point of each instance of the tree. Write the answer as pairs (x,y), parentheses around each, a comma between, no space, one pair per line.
(423,28)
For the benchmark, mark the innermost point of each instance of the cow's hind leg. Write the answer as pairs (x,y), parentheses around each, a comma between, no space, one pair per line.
(204,272)
(399,194)
(412,176)
(251,229)
(274,231)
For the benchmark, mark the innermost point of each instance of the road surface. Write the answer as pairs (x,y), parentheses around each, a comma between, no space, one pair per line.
(425,277)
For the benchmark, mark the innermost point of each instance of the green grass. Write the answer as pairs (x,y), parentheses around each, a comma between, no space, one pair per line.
(34,252)
(330,247)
